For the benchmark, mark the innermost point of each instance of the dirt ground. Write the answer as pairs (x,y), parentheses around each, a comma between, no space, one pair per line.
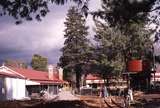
(141,101)
(84,102)
(42,104)
(147,101)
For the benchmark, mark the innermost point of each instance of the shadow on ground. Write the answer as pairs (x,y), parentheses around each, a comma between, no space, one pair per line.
(42,104)
(143,103)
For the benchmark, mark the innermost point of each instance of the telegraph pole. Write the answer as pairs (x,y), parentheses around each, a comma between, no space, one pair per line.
(153,66)
(154,71)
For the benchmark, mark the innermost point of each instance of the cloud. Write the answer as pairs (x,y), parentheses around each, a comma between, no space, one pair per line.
(45,37)
(22,41)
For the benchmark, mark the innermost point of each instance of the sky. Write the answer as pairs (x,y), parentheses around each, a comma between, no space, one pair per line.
(44,38)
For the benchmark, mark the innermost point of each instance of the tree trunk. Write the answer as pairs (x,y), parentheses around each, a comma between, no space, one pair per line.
(78,77)
(77,80)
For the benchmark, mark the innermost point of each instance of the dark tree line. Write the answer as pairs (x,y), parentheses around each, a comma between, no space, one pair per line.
(38,62)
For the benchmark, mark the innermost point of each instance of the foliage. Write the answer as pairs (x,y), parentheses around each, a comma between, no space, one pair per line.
(120,12)
(117,44)
(39,63)
(76,46)
(117,11)
(140,42)
(111,44)
(28,9)
(15,63)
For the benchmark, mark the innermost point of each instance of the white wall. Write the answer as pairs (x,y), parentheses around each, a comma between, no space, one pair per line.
(15,88)
(29,82)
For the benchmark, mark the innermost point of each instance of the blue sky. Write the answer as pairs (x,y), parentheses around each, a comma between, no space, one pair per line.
(44,38)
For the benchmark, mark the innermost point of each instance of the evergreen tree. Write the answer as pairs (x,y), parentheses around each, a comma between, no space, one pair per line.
(108,51)
(120,12)
(118,45)
(76,45)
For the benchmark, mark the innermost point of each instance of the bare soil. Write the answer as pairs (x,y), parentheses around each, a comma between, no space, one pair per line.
(141,101)
(42,104)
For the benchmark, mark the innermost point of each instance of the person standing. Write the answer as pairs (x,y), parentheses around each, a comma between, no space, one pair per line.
(105,92)
(102,91)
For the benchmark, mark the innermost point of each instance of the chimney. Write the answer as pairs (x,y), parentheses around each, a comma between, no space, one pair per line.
(50,72)
(60,71)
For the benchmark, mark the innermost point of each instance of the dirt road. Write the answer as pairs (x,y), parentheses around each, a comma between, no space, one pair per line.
(67,96)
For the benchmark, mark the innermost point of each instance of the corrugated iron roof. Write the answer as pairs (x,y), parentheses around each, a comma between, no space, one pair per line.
(37,76)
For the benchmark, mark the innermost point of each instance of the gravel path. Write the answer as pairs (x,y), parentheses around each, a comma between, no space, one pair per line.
(67,95)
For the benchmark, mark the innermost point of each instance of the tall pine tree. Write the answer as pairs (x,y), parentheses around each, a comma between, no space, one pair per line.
(108,51)
(76,47)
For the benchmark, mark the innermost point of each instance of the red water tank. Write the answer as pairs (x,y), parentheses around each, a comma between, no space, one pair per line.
(135,66)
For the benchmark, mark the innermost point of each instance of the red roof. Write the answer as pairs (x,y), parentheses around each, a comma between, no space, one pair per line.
(92,77)
(38,76)
(31,74)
